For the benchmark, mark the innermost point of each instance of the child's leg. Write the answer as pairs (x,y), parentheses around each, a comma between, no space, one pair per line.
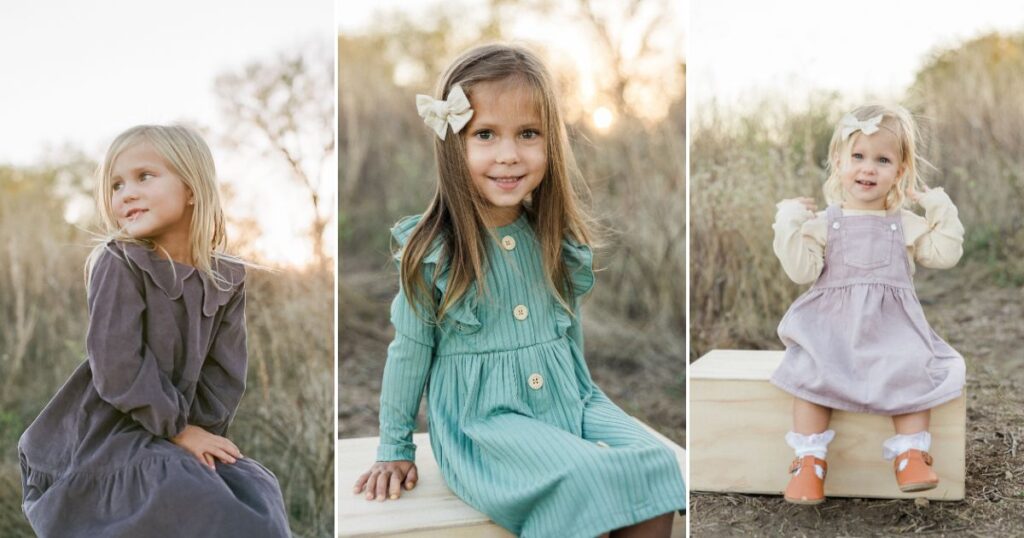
(912,422)
(911,432)
(809,418)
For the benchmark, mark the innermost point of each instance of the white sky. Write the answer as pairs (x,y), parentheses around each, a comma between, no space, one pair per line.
(742,49)
(81,72)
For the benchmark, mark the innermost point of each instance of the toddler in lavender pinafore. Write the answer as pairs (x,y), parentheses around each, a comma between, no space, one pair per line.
(858,339)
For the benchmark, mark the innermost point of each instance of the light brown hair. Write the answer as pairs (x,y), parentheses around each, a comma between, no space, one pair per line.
(455,213)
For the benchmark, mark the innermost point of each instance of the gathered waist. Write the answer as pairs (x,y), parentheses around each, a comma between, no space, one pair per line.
(503,351)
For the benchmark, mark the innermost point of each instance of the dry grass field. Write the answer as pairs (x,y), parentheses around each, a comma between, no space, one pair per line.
(972,114)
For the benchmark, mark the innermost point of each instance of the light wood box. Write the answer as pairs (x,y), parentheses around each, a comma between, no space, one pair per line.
(430,509)
(738,421)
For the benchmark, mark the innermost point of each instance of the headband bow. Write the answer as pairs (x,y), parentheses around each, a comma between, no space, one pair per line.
(851,124)
(438,114)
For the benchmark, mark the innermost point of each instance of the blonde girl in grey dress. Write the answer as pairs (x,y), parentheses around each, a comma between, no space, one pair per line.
(858,340)
(134,444)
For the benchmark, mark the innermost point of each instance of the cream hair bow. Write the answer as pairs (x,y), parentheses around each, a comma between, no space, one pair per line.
(851,124)
(438,114)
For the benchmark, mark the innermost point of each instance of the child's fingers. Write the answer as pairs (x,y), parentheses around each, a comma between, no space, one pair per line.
(200,456)
(360,483)
(395,486)
(371,485)
(227,445)
(222,455)
(232,448)
(382,485)
(411,477)
(208,459)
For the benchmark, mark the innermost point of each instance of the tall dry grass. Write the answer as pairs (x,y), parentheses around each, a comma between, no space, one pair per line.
(286,417)
(971,110)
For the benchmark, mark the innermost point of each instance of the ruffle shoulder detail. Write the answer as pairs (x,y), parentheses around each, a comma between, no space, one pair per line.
(436,268)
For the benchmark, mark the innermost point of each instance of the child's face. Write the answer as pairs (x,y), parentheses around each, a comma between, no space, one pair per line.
(870,170)
(505,148)
(149,200)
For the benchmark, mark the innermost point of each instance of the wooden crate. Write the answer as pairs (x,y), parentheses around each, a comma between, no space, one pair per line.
(738,420)
(430,509)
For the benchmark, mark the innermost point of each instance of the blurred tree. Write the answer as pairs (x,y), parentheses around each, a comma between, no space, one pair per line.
(286,106)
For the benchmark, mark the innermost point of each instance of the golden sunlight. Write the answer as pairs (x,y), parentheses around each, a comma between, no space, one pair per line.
(603,119)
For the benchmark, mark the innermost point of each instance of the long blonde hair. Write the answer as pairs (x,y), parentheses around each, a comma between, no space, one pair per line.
(187,155)
(455,213)
(899,122)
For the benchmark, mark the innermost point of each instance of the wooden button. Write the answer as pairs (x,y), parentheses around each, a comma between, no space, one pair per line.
(520,312)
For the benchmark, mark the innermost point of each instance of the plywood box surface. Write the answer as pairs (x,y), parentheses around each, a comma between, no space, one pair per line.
(738,420)
(430,509)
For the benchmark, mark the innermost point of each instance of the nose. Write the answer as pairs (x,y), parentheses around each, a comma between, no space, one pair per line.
(127,193)
(507,152)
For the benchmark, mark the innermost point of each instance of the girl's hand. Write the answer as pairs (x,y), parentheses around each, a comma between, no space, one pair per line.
(916,196)
(384,480)
(206,446)
(805,201)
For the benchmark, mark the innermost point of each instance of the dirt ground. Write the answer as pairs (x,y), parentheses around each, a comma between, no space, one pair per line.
(983,322)
(642,373)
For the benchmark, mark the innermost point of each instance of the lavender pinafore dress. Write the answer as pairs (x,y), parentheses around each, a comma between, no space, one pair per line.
(858,339)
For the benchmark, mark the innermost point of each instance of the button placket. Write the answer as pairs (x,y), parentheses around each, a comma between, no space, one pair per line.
(508,242)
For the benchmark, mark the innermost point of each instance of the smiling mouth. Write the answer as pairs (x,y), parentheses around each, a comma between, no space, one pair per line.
(506,179)
(866,182)
(507,183)
(130,215)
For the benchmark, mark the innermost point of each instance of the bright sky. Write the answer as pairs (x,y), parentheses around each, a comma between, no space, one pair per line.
(740,50)
(572,44)
(81,72)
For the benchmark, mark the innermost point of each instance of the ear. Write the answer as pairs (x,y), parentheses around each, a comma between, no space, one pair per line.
(191,196)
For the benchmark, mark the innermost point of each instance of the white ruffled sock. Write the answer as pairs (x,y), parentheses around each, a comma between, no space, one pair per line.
(900,443)
(815,444)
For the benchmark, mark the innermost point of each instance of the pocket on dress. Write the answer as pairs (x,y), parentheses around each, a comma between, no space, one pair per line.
(867,245)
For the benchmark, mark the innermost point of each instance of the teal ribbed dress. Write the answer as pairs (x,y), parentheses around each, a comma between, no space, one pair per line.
(519,429)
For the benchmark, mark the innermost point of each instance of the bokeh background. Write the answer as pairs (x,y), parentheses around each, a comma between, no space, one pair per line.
(621,75)
(257,80)
(768,82)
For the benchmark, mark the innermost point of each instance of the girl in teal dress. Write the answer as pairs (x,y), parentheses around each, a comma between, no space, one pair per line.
(487,315)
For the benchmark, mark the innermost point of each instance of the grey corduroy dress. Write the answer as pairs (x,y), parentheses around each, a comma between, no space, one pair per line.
(858,339)
(165,348)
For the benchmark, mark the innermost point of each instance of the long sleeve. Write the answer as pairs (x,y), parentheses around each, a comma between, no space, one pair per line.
(797,245)
(125,371)
(405,375)
(941,239)
(222,378)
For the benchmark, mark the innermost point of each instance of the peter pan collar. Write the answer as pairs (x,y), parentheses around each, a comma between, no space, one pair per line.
(170,276)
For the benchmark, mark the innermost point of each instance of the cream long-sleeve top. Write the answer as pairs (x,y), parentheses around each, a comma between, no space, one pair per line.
(934,240)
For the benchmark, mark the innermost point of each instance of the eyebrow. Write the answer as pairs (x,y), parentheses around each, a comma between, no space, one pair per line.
(136,169)
(490,125)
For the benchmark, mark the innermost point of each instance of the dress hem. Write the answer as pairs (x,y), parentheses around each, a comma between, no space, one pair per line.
(626,518)
(846,406)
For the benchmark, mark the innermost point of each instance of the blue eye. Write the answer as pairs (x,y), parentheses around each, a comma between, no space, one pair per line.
(858,156)
(530,134)
(484,135)
(884,160)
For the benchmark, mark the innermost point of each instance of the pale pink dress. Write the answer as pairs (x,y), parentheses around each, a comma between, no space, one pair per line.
(858,339)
